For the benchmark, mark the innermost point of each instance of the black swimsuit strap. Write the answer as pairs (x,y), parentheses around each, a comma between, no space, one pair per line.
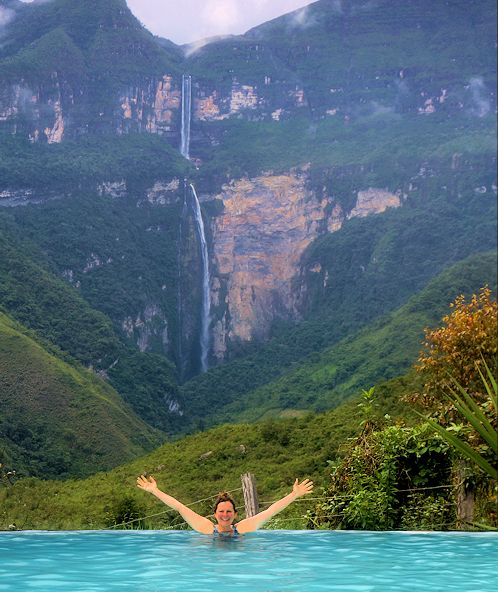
(234,529)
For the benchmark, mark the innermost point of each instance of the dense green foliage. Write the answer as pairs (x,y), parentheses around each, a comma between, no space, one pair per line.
(87,40)
(80,165)
(389,480)
(48,305)
(385,150)
(480,422)
(58,419)
(197,467)
(428,476)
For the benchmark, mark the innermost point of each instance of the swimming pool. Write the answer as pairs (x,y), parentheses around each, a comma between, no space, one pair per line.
(266,561)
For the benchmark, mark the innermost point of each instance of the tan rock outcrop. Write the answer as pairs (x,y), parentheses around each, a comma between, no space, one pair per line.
(374,201)
(206,108)
(257,244)
(55,134)
(166,101)
(153,106)
(258,240)
(244,96)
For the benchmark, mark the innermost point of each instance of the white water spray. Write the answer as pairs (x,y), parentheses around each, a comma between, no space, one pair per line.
(206,295)
(186,111)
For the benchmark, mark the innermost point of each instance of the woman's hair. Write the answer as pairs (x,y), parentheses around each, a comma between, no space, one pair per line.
(224,496)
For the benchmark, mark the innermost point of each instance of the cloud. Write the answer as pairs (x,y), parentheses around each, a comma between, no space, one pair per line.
(366,7)
(192,48)
(222,14)
(302,18)
(201,19)
(6,15)
(481,104)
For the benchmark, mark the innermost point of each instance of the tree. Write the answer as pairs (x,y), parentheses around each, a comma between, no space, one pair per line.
(458,352)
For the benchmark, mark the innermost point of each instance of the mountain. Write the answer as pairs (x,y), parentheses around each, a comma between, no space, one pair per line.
(341,158)
(358,57)
(79,67)
(56,418)
(66,63)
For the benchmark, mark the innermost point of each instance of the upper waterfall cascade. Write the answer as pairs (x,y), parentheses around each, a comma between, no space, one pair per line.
(186,114)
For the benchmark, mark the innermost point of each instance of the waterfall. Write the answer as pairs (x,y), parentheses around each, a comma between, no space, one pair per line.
(185,151)
(186,113)
(206,295)
(181,361)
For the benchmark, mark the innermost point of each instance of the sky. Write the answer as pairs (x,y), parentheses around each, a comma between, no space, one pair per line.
(188,21)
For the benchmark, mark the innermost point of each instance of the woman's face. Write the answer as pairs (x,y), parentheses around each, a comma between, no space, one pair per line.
(225,514)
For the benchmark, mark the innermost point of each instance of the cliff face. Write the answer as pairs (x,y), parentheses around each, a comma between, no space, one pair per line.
(36,113)
(257,243)
(151,107)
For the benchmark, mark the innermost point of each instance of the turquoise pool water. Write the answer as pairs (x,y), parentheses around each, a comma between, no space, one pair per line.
(266,561)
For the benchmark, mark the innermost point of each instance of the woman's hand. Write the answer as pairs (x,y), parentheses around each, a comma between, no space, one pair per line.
(147,483)
(302,488)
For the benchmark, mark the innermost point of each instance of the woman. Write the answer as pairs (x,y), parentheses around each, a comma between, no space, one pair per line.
(225,512)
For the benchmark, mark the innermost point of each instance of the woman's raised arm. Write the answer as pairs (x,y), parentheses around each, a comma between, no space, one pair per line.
(254,522)
(196,521)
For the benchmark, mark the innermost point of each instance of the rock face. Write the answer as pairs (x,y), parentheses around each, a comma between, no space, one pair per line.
(149,325)
(257,243)
(151,107)
(374,201)
(42,111)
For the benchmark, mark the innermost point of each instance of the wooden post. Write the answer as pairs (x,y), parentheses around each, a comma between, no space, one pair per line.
(465,498)
(250,494)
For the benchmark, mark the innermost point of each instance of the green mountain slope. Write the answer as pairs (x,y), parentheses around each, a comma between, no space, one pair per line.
(359,46)
(31,293)
(93,27)
(58,419)
(197,467)
(83,52)
(88,162)
(381,350)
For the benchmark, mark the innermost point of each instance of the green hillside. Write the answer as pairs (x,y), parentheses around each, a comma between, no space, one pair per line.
(31,293)
(384,349)
(384,148)
(58,419)
(365,70)
(104,30)
(195,468)
(83,164)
